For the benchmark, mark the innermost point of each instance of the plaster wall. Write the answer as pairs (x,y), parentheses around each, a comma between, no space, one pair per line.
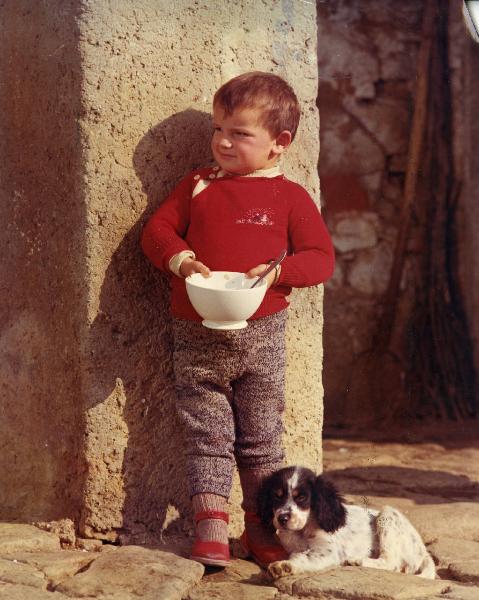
(42,270)
(106,106)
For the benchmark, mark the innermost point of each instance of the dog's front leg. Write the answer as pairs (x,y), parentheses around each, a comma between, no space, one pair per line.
(303,562)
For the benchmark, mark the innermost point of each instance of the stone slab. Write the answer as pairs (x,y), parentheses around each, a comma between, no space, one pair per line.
(19,537)
(12,571)
(231,589)
(132,571)
(354,583)
(23,592)
(460,592)
(453,548)
(435,521)
(56,566)
(64,529)
(239,570)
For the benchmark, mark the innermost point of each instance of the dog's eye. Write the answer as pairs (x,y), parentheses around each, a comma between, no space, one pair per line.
(278,493)
(299,495)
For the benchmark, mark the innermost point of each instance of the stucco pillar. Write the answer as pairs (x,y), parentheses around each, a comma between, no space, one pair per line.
(43,261)
(148,73)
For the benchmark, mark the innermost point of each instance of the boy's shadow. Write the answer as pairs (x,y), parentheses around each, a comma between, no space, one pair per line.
(132,346)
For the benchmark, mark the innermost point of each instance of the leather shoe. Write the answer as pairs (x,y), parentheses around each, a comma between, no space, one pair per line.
(211,553)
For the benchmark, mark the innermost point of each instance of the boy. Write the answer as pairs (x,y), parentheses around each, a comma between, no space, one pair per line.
(237,216)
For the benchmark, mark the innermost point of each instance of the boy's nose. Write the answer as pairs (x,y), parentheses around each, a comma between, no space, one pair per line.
(225,143)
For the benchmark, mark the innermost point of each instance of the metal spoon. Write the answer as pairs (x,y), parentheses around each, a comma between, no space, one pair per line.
(273,265)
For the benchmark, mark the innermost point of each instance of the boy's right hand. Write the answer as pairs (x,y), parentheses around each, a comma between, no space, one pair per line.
(189,266)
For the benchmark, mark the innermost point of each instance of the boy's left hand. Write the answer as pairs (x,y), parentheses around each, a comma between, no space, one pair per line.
(256,272)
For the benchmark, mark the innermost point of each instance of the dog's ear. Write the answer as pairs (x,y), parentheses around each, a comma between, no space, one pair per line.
(328,506)
(264,503)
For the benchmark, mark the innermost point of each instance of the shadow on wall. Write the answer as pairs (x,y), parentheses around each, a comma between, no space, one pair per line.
(132,345)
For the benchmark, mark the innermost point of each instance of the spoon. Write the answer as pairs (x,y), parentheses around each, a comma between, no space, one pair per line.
(273,265)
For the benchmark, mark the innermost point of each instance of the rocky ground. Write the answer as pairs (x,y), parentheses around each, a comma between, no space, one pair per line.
(432,476)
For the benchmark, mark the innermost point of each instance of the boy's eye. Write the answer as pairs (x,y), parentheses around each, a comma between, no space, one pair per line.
(242,134)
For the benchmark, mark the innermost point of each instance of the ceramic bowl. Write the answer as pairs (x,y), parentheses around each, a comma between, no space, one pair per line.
(225,300)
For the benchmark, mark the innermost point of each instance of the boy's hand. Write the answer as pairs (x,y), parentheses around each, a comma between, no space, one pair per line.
(190,266)
(256,272)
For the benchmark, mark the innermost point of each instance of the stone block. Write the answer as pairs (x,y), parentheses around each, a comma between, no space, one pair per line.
(354,231)
(386,120)
(54,567)
(350,148)
(361,584)
(370,271)
(347,56)
(132,571)
(16,537)
(23,592)
(439,520)
(238,591)
(17,573)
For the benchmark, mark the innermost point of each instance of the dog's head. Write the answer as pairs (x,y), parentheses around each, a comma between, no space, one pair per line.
(290,497)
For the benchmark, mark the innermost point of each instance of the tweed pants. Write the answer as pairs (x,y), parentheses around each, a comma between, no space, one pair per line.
(230,399)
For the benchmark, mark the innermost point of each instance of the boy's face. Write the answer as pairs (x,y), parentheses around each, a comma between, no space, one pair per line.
(241,144)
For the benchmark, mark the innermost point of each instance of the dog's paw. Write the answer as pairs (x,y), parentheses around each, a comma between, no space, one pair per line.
(280,568)
(354,563)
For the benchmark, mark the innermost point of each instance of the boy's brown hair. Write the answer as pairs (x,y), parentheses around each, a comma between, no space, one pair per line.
(265,91)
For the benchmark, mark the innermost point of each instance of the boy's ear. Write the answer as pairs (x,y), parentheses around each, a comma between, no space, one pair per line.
(283,140)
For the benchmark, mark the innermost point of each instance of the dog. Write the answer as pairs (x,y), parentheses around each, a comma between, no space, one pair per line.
(320,531)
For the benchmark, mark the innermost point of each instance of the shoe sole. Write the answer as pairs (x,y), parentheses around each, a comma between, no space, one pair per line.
(212,562)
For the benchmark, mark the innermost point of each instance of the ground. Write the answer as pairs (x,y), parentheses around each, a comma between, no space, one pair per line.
(431,473)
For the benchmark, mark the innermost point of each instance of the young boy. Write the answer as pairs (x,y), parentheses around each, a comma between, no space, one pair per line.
(237,216)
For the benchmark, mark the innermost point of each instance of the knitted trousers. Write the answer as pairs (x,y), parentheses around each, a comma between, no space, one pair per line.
(230,399)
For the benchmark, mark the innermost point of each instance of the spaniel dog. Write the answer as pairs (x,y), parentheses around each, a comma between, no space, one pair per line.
(319,531)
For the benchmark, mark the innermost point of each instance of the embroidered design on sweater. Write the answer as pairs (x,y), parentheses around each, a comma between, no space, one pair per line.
(257,217)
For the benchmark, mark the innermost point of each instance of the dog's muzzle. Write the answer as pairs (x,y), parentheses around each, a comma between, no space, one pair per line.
(283,517)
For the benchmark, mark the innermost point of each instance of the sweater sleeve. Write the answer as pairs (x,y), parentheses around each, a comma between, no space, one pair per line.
(163,234)
(310,260)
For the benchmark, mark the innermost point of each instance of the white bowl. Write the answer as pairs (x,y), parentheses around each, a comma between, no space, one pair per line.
(225,300)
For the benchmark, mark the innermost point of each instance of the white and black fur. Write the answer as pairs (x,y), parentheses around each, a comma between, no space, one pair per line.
(319,531)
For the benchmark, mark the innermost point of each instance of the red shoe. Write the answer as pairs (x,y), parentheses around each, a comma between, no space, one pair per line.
(211,553)
(262,554)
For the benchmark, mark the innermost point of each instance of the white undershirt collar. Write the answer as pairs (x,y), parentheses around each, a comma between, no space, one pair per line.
(271,172)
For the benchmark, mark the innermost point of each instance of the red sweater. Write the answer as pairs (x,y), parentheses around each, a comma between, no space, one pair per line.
(234,223)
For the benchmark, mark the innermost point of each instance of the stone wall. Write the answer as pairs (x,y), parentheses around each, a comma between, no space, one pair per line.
(107,107)
(367,58)
(367,55)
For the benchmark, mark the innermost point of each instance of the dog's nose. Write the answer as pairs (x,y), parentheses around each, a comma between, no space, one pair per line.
(283,518)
